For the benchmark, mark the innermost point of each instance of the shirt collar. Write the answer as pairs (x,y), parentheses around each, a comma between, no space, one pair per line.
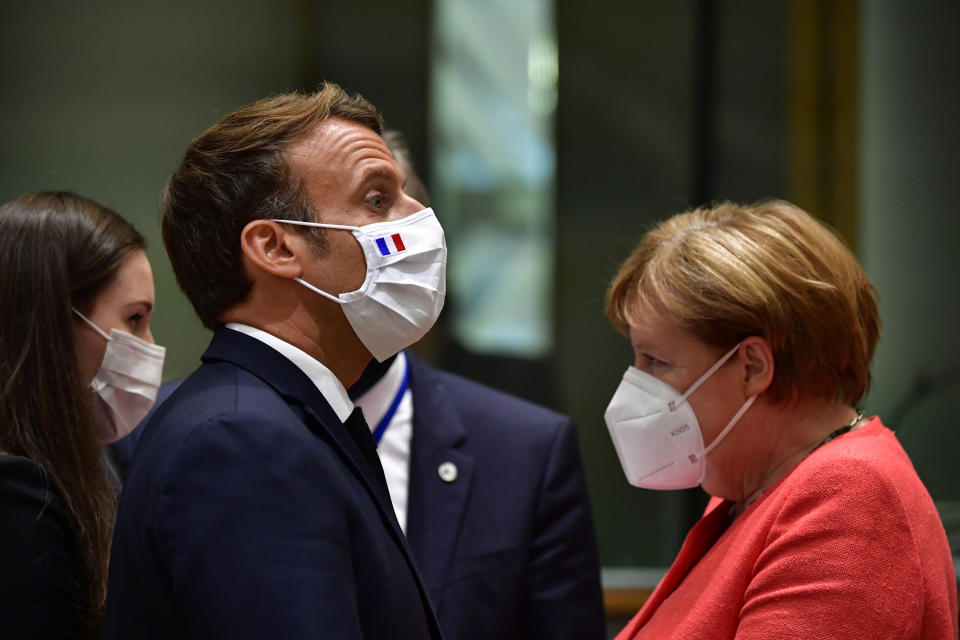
(375,401)
(328,384)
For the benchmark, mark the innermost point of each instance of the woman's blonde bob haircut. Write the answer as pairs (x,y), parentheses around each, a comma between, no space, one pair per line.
(769,269)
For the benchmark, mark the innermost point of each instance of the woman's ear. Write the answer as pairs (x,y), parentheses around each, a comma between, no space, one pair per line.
(271,247)
(758,359)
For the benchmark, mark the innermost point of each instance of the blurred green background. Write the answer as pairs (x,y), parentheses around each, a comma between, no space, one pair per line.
(571,125)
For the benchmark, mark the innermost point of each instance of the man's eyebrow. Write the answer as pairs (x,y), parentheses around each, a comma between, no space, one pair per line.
(377,173)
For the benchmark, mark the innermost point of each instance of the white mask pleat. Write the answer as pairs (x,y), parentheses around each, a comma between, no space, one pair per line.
(656,433)
(126,383)
(405,284)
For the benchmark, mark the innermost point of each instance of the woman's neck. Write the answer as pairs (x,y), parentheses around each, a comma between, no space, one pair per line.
(792,433)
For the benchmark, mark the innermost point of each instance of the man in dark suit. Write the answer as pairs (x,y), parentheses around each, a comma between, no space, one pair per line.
(256,506)
(491,494)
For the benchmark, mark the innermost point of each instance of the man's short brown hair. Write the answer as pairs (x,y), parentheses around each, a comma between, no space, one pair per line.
(238,171)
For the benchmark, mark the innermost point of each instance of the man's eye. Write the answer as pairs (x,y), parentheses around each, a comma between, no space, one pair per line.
(135,319)
(377,200)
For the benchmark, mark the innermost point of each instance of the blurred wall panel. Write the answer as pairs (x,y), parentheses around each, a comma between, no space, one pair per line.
(102,98)
(662,106)
(380,49)
(909,226)
(624,141)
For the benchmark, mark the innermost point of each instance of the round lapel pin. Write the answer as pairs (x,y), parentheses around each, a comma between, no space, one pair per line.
(447,472)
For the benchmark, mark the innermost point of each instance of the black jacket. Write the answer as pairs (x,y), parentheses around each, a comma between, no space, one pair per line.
(41,593)
(251,511)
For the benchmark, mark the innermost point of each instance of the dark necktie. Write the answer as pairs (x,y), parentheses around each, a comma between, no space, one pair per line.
(360,433)
(370,376)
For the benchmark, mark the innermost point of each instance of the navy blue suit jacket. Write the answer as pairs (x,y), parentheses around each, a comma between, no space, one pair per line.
(251,511)
(507,549)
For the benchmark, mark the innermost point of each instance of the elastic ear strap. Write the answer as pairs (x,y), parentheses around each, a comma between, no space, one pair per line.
(322,225)
(320,291)
(709,372)
(726,429)
(95,327)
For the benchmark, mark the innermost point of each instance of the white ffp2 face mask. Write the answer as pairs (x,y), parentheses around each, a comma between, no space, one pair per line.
(126,383)
(656,433)
(406,282)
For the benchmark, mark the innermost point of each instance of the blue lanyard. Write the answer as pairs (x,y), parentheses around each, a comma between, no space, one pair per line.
(392,410)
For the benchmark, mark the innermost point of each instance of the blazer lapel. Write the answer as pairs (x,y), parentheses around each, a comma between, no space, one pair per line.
(698,541)
(290,382)
(441,473)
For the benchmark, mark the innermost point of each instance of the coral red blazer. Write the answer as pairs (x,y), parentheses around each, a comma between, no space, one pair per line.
(847,544)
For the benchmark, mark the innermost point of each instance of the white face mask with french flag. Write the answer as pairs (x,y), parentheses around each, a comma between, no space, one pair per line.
(406,282)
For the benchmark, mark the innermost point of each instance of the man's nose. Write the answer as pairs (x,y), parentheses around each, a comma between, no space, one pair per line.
(407,205)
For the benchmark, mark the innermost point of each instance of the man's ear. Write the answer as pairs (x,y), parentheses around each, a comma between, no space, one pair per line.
(272,247)
(757,356)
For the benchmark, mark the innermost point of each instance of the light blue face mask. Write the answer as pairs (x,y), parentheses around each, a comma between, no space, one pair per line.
(405,284)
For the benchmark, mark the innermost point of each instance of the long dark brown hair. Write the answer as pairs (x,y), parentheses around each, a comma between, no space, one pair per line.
(57,251)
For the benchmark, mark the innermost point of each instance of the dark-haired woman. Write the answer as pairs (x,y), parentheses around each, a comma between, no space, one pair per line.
(78,369)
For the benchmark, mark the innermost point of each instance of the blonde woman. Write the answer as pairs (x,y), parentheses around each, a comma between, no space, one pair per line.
(753,328)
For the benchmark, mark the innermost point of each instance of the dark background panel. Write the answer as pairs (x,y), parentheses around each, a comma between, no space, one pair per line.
(661,106)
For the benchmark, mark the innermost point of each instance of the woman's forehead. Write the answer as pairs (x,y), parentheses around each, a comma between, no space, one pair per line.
(133,282)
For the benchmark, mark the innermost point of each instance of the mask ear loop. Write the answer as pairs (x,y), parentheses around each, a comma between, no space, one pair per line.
(709,372)
(320,291)
(322,225)
(95,327)
(726,429)
(736,416)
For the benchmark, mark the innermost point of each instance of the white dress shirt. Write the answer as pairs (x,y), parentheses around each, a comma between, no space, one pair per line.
(394,445)
(328,384)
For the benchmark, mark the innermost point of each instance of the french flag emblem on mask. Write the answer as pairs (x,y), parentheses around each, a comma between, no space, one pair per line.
(391,245)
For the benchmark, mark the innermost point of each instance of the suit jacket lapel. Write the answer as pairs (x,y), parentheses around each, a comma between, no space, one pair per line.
(290,382)
(436,505)
(698,541)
